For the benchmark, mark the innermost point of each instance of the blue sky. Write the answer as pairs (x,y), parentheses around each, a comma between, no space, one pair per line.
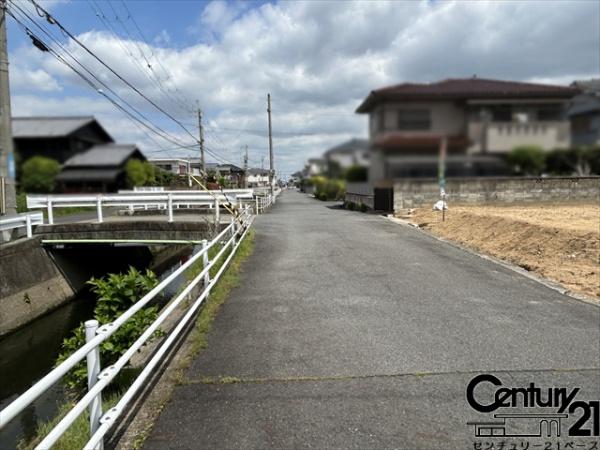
(318,59)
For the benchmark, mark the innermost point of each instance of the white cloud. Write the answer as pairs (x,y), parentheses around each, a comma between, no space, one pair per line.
(320,59)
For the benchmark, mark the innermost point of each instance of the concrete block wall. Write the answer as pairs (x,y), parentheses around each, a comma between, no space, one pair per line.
(414,193)
(360,193)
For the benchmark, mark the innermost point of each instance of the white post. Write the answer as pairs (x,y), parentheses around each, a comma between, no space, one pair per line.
(205,262)
(170,206)
(233,231)
(256,207)
(28,223)
(93,370)
(99,208)
(217,217)
(50,214)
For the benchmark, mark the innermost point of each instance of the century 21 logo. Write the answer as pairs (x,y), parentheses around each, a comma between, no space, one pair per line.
(561,399)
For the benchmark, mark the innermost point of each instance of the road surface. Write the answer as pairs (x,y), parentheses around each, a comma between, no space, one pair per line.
(350,331)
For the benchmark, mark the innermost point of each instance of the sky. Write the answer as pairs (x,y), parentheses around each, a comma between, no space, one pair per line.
(317,59)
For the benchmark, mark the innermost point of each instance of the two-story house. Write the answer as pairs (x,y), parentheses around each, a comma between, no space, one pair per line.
(481,121)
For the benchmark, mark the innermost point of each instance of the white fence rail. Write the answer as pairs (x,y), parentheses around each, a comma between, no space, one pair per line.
(26,220)
(167,200)
(100,423)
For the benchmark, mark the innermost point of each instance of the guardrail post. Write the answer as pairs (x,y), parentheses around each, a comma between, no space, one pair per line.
(256,205)
(99,208)
(217,216)
(28,224)
(233,231)
(50,213)
(93,370)
(170,206)
(205,262)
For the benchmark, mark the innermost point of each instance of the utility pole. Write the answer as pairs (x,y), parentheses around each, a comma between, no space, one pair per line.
(8,203)
(246,168)
(271,168)
(202,167)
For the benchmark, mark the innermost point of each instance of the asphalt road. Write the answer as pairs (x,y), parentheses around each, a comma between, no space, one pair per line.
(350,331)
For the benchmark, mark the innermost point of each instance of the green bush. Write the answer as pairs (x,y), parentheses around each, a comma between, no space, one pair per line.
(38,174)
(574,161)
(356,174)
(527,159)
(326,189)
(362,207)
(116,294)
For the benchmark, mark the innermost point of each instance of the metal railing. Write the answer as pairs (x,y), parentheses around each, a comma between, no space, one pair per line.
(100,423)
(26,220)
(166,200)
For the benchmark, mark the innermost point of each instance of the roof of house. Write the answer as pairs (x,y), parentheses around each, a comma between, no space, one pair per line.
(588,86)
(465,88)
(104,155)
(263,172)
(48,127)
(348,147)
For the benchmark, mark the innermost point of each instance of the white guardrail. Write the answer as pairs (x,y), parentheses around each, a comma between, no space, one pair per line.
(101,423)
(135,200)
(26,220)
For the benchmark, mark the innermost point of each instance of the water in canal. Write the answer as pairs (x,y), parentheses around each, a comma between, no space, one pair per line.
(29,353)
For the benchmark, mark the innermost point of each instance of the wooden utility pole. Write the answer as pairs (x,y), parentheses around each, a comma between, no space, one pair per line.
(271,168)
(246,168)
(8,203)
(201,128)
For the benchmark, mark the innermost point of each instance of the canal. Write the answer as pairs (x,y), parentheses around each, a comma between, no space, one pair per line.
(29,353)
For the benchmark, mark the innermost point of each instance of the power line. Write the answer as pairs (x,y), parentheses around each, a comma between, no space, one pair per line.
(52,20)
(157,130)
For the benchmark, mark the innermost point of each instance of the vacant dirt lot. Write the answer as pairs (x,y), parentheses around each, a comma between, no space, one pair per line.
(561,243)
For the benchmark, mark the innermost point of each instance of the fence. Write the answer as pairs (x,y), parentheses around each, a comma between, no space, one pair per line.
(26,220)
(167,200)
(100,423)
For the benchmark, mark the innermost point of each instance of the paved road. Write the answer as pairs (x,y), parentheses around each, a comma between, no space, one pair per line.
(349,331)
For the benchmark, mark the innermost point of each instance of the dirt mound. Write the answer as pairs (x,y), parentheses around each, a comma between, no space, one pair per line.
(559,243)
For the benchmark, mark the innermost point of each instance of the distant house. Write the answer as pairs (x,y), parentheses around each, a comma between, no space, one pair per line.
(354,152)
(173,165)
(584,113)
(58,138)
(481,121)
(99,169)
(257,178)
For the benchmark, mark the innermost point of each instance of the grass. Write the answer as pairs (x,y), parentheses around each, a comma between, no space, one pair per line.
(229,280)
(77,434)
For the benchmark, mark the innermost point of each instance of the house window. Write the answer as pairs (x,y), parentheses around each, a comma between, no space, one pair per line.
(381,120)
(414,119)
(549,114)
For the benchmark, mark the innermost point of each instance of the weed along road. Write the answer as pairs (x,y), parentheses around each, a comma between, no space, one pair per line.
(350,331)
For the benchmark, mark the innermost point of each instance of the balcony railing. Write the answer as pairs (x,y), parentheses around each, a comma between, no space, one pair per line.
(504,136)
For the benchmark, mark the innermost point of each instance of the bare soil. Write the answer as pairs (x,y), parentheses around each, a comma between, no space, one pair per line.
(558,242)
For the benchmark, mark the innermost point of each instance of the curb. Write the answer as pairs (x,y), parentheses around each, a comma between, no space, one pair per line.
(555,286)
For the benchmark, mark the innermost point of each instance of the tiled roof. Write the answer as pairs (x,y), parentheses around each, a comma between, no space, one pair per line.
(348,147)
(104,155)
(39,127)
(465,88)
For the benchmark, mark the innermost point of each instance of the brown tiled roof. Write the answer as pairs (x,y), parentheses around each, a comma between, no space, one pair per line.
(465,88)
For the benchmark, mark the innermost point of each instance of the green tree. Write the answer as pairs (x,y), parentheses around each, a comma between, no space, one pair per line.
(527,159)
(356,174)
(136,173)
(39,174)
